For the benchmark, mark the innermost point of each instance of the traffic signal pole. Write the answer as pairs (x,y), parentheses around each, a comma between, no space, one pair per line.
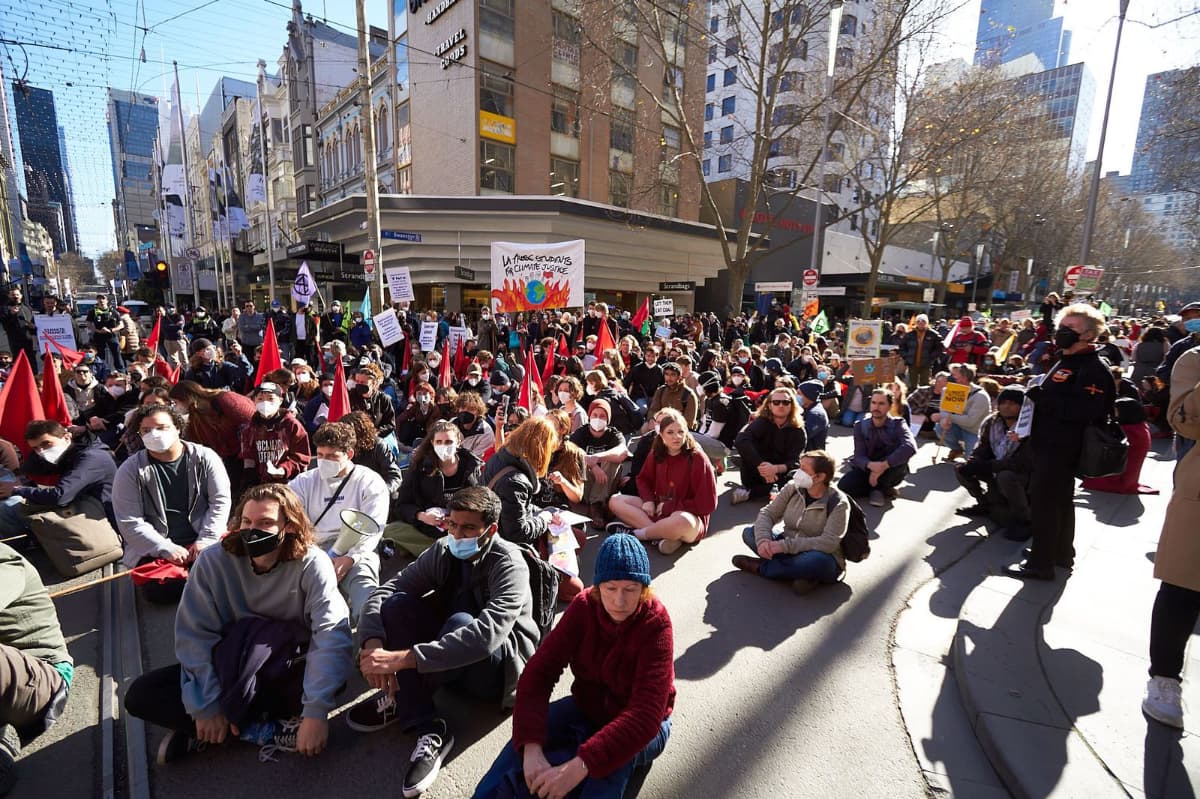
(371,174)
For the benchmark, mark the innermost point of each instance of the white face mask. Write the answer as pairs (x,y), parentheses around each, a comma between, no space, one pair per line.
(444,451)
(267,408)
(473,381)
(564,397)
(589,346)
(424,399)
(54,454)
(802,479)
(160,440)
(303,377)
(116,391)
(435,362)
(330,469)
(327,391)
(597,424)
(737,380)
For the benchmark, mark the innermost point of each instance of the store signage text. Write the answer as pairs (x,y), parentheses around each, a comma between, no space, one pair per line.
(433,13)
(453,49)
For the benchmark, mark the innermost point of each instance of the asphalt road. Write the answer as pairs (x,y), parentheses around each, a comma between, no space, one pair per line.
(779,695)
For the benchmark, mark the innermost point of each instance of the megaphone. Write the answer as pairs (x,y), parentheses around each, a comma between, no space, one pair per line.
(356,525)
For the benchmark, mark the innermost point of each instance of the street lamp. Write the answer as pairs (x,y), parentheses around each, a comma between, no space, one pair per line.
(835,26)
(1090,220)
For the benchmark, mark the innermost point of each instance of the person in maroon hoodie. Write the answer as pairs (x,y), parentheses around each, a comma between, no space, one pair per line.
(617,639)
(273,445)
(677,490)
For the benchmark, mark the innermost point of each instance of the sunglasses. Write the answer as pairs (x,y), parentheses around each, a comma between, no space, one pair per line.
(781,402)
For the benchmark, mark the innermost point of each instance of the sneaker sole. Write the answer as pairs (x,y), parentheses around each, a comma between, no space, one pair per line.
(357,727)
(161,757)
(431,777)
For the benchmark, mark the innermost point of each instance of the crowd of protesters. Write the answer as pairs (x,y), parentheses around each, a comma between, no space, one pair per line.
(258,465)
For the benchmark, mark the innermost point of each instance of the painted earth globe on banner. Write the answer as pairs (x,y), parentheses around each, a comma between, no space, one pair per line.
(535,292)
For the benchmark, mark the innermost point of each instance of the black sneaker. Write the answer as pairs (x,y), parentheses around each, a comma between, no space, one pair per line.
(973,510)
(373,714)
(426,760)
(177,745)
(612,528)
(284,740)
(10,746)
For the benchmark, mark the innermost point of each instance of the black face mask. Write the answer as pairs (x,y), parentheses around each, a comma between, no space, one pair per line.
(444,409)
(466,419)
(360,390)
(1065,338)
(259,543)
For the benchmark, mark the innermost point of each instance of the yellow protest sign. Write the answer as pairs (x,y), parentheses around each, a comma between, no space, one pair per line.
(954,398)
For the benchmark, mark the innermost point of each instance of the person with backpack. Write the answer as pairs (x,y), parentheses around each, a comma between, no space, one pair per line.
(461,615)
(815,515)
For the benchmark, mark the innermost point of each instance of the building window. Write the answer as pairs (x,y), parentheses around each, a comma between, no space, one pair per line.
(832,184)
(496,166)
(727,134)
(835,151)
(382,142)
(496,18)
(788,145)
(730,76)
(706,167)
(564,177)
(725,163)
(672,84)
(844,58)
(785,115)
(308,156)
(495,90)
(708,110)
(791,82)
(732,16)
(728,106)
(567,38)
(732,45)
(402,116)
(621,131)
(714,25)
(849,25)
(564,112)
(712,54)
(670,145)
(624,72)
(619,189)
(669,201)
(711,82)
(707,139)
(404,184)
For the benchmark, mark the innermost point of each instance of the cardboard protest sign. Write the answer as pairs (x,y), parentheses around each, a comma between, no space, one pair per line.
(873,370)
(864,337)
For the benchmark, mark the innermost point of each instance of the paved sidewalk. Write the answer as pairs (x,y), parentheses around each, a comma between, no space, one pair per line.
(1048,676)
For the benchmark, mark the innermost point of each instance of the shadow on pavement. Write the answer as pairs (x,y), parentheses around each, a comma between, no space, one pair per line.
(1127,512)
(1162,760)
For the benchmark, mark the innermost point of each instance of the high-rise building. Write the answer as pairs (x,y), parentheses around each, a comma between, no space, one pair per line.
(45,179)
(10,185)
(132,130)
(1067,97)
(1163,159)
(1010,29)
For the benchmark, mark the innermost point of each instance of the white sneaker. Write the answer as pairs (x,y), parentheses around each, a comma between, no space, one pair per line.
(1164,701)
(739,496)
(669,546)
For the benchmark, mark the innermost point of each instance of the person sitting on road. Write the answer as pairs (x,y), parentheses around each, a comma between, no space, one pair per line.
(677,490)
(112,401)
(997,472)
(37,670)
(563,486)
(569,396)
(61,467)
(605,449)
(515,472)
(808,552)
(440,466)
(336,485)
(674,393)
(816,420)
(460,615)
(208,369)
(770,446)
(366,395)
(960,431)
(883,446)
(269,588)
(617,640)
(718,422)
(478,436)
(371,452)
(414,421)
(475,383)
(171,498)
(274,444)
(214,417)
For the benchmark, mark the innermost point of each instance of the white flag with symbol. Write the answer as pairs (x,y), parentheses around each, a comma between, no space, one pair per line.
(304,288)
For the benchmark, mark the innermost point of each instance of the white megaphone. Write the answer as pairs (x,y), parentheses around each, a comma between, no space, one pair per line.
(356,525)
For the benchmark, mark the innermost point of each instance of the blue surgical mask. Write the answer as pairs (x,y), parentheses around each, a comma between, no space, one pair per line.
(1192,325)
(463,548)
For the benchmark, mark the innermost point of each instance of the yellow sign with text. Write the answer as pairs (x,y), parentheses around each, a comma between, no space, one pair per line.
(498,128)
(954,398)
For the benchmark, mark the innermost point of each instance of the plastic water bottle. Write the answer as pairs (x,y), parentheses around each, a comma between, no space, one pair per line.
(259,733)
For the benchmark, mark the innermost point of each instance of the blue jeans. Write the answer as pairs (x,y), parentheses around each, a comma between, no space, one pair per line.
(958,438)
(820,567)
(566,729)
(1035,356)
(850,418)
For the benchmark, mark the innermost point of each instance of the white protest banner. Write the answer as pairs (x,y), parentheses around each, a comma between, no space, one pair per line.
(664,307)
(865,336)
(537,277)
(57,327)
(428,336)
(1020,316)
(399,281)
(304,288)
(457,335)
(388,327)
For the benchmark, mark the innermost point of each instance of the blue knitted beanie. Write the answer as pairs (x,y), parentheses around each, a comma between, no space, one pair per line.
(622,557)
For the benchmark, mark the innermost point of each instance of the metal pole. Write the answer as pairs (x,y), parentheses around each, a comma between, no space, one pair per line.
(164,233)
(187,186)
(835,24)
(975,273)
(262,147)
(225,175)
(937,234)
(1085,249)
(370,175)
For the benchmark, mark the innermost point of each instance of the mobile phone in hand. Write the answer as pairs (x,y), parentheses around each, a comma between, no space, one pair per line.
(502,413)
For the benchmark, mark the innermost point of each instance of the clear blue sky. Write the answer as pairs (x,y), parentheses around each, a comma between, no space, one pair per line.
(210,38)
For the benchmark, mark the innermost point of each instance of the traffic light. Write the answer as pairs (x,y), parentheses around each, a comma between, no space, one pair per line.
(161,274)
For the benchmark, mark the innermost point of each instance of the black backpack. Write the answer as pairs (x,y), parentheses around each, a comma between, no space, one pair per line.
(856,543)
(543,584)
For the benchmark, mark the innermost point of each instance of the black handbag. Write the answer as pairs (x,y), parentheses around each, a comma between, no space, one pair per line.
(1105,450)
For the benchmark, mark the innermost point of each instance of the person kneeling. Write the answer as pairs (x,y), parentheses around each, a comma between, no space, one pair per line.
(616,637)
(883,446)
(267,589)
(475,629)
(997,472)
(814,514)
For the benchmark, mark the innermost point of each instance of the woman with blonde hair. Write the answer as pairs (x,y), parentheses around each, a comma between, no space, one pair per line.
(515,472)
(677,490)
(770,445)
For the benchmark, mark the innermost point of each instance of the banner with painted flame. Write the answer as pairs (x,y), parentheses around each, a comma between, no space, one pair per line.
(536,277)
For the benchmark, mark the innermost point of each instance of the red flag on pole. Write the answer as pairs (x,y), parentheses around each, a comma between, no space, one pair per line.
(270,360)
(71,358)
(445,374)
(407,357)
(461,361)
(642,315)
(54,404)
(20,401)
(152,339)
(525,398)
(548,369)
(166,370)
(537,377)
(604,339)
(339,403)
(563,350)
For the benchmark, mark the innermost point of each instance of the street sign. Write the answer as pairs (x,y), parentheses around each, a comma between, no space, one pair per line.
(192,253)
(768,288)
(368,261)
(677,285)
(811,278)
(463,273)
(828,291)
(1083,278)
(928,294)
(400,235)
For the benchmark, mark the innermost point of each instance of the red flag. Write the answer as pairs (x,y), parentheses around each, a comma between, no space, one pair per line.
(54,404)
(604,339)
(642,314)
(166,370)
(270,360)
(71,358)
(548,369)
(562,346)
(152,339)
(525,398)
(20,401)
(537,377)
(407,357)
(339,403)
(579,331)
(445,377)
(461,362)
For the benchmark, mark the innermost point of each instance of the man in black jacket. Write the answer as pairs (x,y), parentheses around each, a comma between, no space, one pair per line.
(997,472)
(645,378)
(920,348)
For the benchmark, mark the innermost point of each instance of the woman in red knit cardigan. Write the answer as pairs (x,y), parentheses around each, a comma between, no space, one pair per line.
(616,637)
(677,490)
